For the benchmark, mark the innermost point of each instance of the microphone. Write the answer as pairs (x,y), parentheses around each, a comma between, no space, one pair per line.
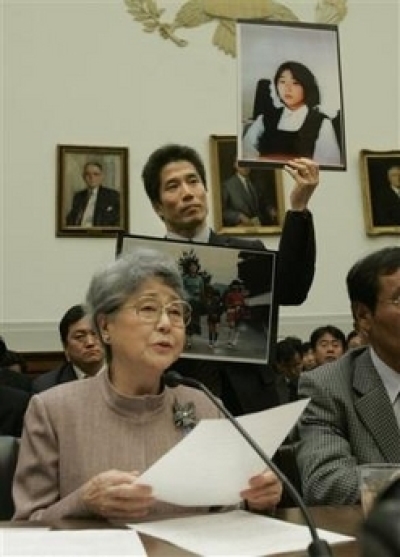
(318,547)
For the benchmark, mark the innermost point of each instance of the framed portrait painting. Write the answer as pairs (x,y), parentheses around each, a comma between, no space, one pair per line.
(231,293)
(92,191)
(246,200)
(290,94)
(380,184)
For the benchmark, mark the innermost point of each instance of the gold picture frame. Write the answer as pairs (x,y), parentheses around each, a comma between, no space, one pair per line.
(380,177)
(79,170)
(268,188)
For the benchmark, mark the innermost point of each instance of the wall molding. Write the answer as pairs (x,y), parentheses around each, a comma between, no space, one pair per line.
(43,336)
(302,326)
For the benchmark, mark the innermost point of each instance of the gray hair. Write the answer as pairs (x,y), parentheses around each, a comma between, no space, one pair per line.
(113,285)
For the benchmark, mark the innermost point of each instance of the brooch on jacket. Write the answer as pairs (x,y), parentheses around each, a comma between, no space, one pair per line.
(184,416)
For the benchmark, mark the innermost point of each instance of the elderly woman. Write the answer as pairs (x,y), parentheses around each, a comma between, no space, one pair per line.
(85,443)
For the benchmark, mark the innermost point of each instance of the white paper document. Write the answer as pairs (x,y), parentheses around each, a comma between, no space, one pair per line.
(236,533)
(212,464)
(29,542)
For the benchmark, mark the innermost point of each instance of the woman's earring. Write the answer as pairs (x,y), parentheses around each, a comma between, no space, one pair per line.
(106,339)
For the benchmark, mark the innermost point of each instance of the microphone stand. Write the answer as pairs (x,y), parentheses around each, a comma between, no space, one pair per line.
(318,547)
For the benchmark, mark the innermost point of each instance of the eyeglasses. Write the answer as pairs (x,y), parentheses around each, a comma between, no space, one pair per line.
(392,301)
(150,310)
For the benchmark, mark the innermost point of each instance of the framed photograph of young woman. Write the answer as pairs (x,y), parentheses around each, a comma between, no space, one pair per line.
(246,200)
(290,94)
(92,191)
(380,185)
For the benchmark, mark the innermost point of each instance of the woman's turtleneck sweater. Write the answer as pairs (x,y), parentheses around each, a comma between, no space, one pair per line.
(77,430)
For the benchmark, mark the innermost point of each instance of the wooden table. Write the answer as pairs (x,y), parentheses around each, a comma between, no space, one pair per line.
(344,520)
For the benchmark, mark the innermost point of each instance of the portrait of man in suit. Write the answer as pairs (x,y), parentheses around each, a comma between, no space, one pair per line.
(380,185)
(96,205)
(385,197)
(248,199)
(241,201)
(92,194)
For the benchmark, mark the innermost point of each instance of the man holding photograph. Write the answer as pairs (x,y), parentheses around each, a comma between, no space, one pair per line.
(175,182)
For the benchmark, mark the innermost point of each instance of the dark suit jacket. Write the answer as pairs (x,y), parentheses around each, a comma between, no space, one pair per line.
(244,387)
(13,404)
(349,421)
(235,200)
(385,206)
(16,380)
(296,256)
(106,211)
(286,388)
(63,374)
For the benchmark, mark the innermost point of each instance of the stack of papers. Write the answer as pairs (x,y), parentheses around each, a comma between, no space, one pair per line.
(236,533)
(29,542)
(215,462)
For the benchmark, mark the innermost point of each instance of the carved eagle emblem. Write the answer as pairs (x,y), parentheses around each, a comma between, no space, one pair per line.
(225,12)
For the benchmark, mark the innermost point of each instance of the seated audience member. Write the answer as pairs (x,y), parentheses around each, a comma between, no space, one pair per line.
(11,359)
(353,417)
(13,404)
(84,444)
(354,339)
(83,351)
(12,369)
(308,357)
(328,343)
(288,366)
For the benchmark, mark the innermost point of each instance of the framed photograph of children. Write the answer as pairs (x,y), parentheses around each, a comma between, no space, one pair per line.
(246,200)
(380,185)
(92,191)
(290,94)
(231,294)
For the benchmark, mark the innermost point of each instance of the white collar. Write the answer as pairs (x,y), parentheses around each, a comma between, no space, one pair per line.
(93,192)
(201,238)
(82,375)
(389,377)
(292,120)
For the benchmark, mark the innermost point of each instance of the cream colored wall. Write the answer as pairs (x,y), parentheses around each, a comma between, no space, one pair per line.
(86,74)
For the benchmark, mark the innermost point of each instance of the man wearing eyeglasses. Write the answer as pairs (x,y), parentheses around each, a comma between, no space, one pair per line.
(83,351)
(95,205)
(354,414)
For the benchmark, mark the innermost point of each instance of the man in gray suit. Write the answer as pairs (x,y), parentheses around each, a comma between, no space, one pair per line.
(353,417)
(240,203)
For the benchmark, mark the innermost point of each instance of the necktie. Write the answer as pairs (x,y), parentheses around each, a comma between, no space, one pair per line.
(251,196)
(87,217)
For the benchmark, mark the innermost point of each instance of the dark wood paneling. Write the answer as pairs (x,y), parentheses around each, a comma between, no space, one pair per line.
(40,362)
